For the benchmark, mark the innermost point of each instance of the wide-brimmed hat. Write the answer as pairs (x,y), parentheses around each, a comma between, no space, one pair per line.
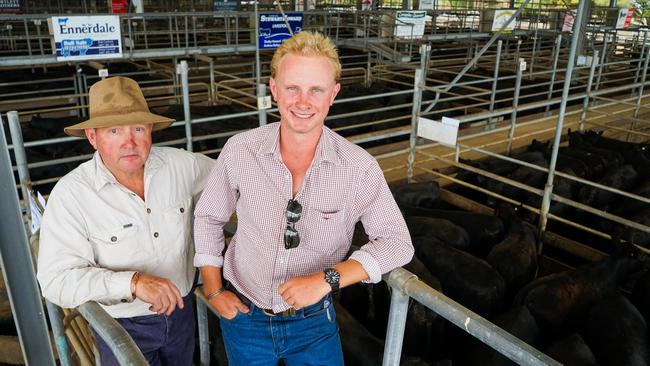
(117,101)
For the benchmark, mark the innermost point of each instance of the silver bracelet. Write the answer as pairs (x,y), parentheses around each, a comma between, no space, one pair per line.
(216,293)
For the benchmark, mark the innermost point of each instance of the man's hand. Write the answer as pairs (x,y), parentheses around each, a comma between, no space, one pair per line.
(228,304)
(160,292)
(303,291)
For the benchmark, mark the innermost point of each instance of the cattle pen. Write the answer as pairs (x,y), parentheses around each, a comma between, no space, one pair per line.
(552,120)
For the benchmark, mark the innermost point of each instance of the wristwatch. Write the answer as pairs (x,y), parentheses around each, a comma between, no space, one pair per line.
(332,277)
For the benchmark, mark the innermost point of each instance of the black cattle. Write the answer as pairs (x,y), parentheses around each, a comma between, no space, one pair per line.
(426,194)
(635,154)
(360,347)
(515,257)
(617,333)
(465,278)
(622,178)
(523,174)
(484,230)
(517,321)
(441,229)
(640,296)
(635,236)
(572,351)
(559,302)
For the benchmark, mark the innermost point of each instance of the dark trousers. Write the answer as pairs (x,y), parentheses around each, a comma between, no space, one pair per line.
(163,340)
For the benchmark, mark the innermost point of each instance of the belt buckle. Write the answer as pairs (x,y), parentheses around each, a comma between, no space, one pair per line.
(289,312)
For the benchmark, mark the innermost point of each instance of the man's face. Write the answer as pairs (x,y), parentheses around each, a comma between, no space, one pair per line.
(304,88)
(123,149)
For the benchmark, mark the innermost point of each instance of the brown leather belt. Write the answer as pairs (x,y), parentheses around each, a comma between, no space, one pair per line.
(267,312)
(288,312)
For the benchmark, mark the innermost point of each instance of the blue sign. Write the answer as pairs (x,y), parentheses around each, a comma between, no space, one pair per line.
(225,5)
(86,37)
(273,28)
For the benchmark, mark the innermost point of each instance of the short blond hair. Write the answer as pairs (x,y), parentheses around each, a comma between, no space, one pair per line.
(307,43)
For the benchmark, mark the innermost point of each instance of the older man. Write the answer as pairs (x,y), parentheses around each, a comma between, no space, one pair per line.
(298,190)
(117,229)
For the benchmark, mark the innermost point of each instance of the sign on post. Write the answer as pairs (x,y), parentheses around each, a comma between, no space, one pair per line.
(225,5)
(410,24)
(624,18)
(11,6)
(273,28)
(86,37)
(500,18)
(445,132)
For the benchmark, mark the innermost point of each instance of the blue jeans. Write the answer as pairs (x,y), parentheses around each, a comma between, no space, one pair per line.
(163,340)
(310,337)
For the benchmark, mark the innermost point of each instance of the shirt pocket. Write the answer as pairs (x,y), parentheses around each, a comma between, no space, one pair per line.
(117,248)
(177,226)
(324,230)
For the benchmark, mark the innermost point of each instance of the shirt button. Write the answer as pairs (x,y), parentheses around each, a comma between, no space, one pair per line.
(113,238)
(182,210)
(124,300)
(148,210)
(155,235)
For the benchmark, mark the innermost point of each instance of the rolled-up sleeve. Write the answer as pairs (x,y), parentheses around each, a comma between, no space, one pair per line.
(213,211)
(389,244)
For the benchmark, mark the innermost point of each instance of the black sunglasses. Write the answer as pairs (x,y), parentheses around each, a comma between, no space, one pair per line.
(291,237)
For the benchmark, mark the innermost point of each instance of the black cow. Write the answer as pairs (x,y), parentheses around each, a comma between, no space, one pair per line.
(617,333)
(426,195)
(465,278)
(517,321)
(622,178)
(515,257)
(559,302)
(573,351)
(441,229)
(484,230)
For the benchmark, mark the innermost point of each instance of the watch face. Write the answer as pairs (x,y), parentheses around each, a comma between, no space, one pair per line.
(332,276)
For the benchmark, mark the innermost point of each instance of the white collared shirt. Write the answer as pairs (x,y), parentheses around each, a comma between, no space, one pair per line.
(96,233)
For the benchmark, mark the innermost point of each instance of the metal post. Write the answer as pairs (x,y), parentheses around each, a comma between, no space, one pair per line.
(602,60)
(368,80)
(418,83)
(118,340)
(213,92)
(515,103)
(548,188)
(204,332)
(183,71)
(18,270)
(399,302)
(643,77)
(590,82)
(532,57)
(261,94)
(517,50)
(20,156)
(489,125)
(58,331)
(638,64)
(556,57)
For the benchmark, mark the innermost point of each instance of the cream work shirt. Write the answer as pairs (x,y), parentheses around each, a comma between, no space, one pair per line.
(96,233)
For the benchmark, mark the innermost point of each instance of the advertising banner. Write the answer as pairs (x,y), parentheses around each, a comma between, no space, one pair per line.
(410,24)
(86,37)
(120,6)
(225,5)
(500,19)
(569,19)
(426,4)
(624,18)
(273,28)
(11,6)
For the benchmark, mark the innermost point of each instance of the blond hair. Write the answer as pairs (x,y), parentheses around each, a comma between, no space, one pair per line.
(307,43)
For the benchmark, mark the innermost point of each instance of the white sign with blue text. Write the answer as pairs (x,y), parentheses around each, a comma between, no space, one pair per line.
(274,30)
(87,37)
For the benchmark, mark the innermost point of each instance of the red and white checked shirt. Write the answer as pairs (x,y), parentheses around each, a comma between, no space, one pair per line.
(343,185)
